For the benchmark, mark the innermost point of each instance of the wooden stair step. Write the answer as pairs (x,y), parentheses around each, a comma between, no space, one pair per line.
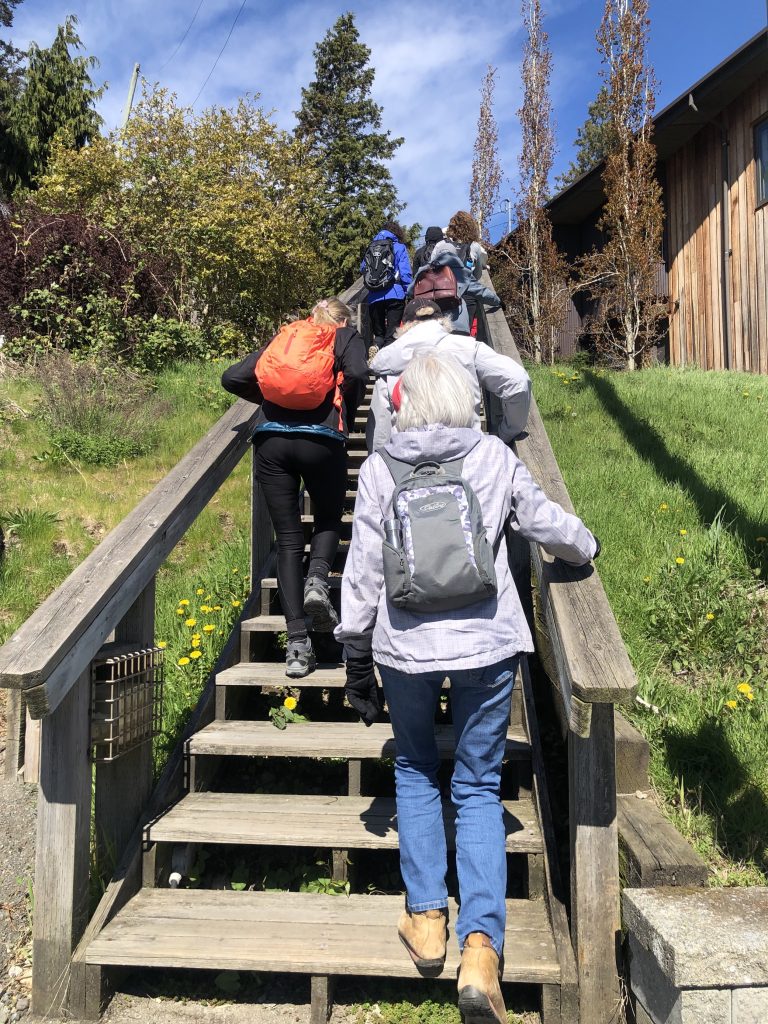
(322,739)
(339,822)
(270,582)
(305,933)
(329,676)
(346,518)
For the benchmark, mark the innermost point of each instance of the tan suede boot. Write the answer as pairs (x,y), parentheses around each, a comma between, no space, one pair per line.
(480,998)
(424,934)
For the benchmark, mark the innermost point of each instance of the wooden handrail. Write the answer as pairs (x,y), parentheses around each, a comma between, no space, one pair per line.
(592,661)
(47,654)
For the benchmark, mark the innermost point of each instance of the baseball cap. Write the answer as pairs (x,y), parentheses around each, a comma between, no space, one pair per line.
(421,309)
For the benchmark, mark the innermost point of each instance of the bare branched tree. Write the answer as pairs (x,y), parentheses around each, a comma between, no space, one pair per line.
(533,273)
(629,315)
(486,169)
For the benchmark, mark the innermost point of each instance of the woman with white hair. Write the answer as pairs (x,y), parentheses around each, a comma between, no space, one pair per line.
(477,645)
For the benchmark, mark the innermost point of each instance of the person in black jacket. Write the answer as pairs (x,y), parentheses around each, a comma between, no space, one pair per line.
(423,255)
(292,446)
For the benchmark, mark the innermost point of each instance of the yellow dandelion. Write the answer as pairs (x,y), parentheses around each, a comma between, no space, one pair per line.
(195,654)
(162,644)
(679,561)
(183,661)
(683,533)
(235,569)
(195,636)
(191,623)
(731,704)
(710,616)
(646,579)
(217,607)
(179,611)
(183,604)
(209,628)
(199,591)
(205,608)
(290,703)
(744,688)
(195,642)
(745,394)
(236,604)
(750,696)
(663,506)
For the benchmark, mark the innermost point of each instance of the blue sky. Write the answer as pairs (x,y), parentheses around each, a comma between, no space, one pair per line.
(429,56)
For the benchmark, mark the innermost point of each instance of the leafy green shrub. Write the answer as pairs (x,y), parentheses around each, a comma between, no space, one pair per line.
(97,414)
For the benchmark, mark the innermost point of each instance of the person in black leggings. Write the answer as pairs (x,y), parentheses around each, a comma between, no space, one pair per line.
(306,446)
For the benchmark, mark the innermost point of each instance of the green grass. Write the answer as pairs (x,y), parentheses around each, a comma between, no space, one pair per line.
(54,514)
(668,468)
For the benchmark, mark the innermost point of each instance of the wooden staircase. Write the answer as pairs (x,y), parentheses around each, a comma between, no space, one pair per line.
(313,933)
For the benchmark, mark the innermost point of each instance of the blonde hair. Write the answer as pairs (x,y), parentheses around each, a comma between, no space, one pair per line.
(462,227)
(435,389)
(331,311)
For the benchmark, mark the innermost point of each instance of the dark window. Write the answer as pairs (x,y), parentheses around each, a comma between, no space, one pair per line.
(761,159)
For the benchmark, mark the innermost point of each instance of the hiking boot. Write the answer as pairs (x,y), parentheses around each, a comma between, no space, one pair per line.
(424,933)
(480,998)
(299,658)
(317,605)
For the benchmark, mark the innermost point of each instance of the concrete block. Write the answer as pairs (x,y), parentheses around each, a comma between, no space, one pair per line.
(702,938)
(664,1003)
(749,1006)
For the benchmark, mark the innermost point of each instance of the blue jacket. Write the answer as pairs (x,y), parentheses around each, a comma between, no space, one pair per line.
(403,275)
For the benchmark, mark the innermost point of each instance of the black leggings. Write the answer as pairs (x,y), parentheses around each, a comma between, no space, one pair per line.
(282,462)
(385,315)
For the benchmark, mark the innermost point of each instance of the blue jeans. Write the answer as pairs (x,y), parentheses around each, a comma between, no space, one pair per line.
(480,705)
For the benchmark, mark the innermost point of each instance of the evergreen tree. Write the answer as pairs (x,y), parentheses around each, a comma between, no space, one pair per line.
(340,125)
(57,99)
(10,73)
(594,140)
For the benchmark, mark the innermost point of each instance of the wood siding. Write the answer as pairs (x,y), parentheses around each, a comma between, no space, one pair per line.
(694,204)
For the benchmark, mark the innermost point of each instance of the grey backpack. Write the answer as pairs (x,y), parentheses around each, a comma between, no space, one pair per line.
(437,556)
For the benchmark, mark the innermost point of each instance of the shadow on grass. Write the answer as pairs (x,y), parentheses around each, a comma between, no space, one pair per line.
(651,447)
(707,765)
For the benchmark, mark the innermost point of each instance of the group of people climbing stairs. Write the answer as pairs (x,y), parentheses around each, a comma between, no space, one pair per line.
(351,929)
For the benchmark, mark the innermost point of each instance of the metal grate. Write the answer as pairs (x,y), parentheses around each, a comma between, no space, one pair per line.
(126,699)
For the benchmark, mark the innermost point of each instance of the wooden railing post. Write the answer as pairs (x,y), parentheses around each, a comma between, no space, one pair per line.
(123,786)
(595,908)
(63,846)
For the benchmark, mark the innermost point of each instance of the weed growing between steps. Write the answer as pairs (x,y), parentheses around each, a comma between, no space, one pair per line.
(668,468)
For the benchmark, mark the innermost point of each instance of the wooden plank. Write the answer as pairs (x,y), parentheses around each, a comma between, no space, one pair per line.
(13,757)
(593,662)
(123,786)
(31,749)
(320,739)
(632,757)
(565,1001)
(653,852)
(62,857)
(299,932)
(57,642)
(595,913)
(361,823)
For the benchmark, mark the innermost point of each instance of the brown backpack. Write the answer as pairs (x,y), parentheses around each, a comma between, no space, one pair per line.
(439,285)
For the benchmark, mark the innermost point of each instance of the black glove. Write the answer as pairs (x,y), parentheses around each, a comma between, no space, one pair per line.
(599,548)
(361,690)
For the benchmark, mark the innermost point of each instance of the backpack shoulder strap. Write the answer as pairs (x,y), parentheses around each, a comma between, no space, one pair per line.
(400,470)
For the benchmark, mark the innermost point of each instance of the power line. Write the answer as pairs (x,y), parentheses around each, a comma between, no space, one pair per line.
(181,41)
(221,51)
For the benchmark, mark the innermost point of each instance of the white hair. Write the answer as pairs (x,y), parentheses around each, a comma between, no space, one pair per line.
(435,389)
(445,322)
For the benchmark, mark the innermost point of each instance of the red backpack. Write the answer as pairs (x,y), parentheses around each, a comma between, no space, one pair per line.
(297,368)
(439,285)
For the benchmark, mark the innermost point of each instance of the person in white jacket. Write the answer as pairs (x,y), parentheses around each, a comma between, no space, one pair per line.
(425,330)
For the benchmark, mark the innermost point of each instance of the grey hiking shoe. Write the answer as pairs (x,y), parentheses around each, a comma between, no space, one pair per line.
(299,658)
(317,605)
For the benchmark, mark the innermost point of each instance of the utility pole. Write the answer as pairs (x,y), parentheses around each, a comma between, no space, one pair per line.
(129,100)
(509,215)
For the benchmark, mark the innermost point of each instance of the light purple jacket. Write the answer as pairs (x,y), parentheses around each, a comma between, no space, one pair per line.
(480,634)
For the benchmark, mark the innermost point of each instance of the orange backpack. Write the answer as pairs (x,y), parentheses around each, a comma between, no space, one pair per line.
(297,369)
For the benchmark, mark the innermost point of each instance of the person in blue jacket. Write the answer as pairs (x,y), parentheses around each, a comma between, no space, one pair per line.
(390,265)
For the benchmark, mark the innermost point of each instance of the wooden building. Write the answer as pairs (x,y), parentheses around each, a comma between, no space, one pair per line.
(712,145)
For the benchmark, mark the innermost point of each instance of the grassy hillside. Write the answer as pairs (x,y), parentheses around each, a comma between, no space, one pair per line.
(668,468)
(55,510)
